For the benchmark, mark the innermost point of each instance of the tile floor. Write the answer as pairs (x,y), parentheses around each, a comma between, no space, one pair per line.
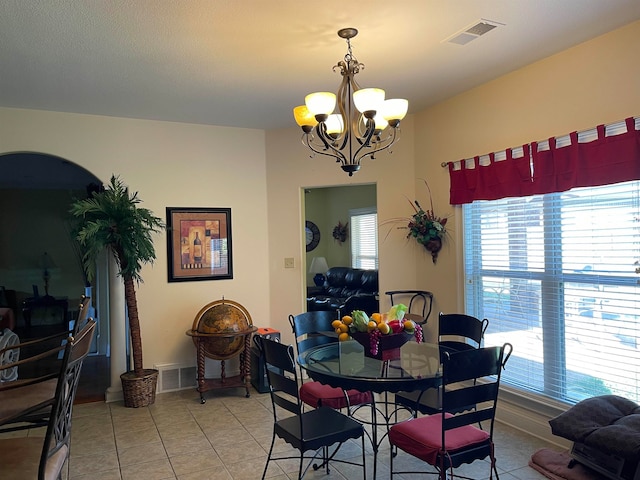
(227,438)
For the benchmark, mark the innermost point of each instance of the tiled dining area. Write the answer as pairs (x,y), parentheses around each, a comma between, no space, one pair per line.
(227,438)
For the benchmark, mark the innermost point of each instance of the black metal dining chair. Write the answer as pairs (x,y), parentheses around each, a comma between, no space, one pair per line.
(446,440)
(310,330)
(419,303)
(315,430)
(456,332)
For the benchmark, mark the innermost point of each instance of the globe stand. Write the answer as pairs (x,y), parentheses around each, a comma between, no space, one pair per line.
(235,381)
(222,330)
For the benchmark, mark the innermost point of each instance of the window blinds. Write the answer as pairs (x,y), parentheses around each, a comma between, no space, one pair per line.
(364,238)
(555,276)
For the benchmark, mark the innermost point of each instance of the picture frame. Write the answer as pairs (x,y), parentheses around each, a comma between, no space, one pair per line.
(199,245)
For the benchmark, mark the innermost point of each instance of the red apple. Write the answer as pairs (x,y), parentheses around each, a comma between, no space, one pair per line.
(396,326)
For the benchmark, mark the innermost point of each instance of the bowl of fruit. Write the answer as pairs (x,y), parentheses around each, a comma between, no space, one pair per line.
(381,335)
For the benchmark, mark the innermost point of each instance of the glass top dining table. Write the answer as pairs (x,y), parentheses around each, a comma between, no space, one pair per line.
(416,367)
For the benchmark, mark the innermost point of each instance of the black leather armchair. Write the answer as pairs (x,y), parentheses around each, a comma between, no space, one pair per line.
(346,289)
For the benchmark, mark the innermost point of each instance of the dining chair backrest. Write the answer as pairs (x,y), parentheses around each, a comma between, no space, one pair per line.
(49,400)
(419,303)
(461,375)
(458,331)
(310,329)
(282,375)
(27,397)
(57,439)
(83,314)
(313,329)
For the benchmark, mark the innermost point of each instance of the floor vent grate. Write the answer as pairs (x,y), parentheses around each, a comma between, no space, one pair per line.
(174,377)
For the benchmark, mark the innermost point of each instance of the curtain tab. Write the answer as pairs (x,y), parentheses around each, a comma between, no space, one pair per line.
(631,124)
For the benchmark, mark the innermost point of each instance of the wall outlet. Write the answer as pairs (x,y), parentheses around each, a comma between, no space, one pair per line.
(289,263)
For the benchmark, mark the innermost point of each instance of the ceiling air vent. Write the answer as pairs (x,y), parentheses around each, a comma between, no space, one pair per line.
(472,32)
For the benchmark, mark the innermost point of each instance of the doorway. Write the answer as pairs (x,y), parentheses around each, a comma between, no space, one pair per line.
(36,190)
(328,209)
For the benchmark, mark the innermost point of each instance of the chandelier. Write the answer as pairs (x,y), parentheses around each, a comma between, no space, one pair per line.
(365,124)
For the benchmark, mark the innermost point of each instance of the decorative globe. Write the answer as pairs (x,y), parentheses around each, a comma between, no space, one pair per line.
(225,323)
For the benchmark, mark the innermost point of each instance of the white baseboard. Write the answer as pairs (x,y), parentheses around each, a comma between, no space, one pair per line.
(529,421)
(113,395)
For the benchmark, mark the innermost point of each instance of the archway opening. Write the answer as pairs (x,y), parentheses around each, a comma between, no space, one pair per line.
(39,259)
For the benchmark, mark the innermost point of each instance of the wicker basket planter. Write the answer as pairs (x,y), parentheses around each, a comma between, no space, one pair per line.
(139,391)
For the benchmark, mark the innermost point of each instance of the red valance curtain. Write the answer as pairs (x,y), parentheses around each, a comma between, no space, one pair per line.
(602,160)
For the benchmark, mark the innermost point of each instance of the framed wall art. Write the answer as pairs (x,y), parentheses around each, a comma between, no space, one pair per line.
(199,244)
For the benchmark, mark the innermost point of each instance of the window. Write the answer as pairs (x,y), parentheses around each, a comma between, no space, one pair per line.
(364,238)
(555,276)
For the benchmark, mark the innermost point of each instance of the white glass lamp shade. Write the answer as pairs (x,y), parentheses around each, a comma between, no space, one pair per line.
(319,265)
(395,109)
(334,124)
(304,117)
(381,123)
(320,103)
(368,99)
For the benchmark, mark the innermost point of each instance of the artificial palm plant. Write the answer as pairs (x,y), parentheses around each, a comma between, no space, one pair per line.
(111,219)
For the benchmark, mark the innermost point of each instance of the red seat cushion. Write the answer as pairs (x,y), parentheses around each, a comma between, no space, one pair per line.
(317,394)
(422,437)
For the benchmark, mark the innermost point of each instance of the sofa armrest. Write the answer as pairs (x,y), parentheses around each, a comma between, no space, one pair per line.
(315,291)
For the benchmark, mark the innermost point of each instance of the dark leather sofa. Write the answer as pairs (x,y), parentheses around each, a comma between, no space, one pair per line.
(346,289)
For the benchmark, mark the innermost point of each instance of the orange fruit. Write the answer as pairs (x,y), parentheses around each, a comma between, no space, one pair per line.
(384,328)
(336,324)
(371,326)
(343,337)
(376,317)
(343,328)
(347,320)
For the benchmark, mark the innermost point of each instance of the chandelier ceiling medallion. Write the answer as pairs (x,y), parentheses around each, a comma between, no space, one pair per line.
(365,124)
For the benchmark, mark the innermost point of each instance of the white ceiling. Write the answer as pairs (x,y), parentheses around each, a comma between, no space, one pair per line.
(247,63)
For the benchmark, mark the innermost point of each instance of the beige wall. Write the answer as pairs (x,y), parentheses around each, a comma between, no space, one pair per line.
(191,165)
(289,171)
(593,83)
(170,165)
